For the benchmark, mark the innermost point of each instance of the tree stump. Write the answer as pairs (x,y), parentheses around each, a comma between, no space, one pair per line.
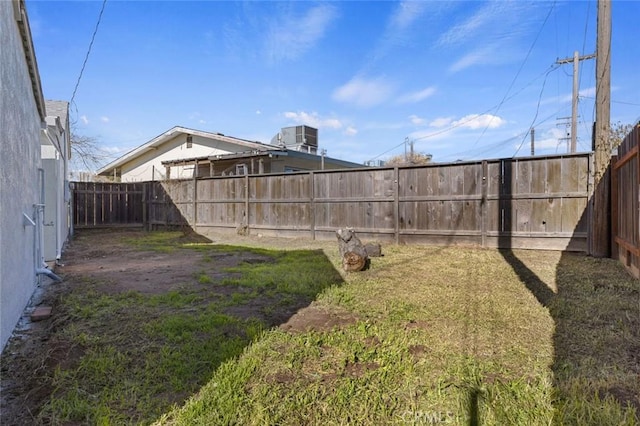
(353,253)
(373,249)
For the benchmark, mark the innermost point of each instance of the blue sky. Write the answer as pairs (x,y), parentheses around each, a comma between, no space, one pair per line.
(462,80)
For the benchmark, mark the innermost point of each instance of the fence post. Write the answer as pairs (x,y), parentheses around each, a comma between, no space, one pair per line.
(246,201)
(614,206)
(312,205)
(144,206)
(396,203)
(483,204)
(195,200)
(95,204)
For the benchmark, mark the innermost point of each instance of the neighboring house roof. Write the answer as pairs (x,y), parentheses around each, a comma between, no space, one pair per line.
(247,149)
(58,116)
(270,151)
(58,109)
(20,14)
(170,134)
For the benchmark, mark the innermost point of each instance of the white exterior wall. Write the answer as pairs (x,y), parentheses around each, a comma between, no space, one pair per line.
(148,166)
(20,127)
(56,197)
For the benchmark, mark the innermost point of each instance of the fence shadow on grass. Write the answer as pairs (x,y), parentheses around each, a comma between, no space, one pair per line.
(201,304)
(596,342)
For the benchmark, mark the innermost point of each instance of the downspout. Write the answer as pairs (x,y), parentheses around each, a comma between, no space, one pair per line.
(48,273)
(41,266)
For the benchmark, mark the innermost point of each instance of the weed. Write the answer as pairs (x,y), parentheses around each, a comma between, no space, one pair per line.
(443,335)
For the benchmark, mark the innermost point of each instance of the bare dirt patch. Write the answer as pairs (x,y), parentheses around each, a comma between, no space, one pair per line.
(109,264)
(318,318)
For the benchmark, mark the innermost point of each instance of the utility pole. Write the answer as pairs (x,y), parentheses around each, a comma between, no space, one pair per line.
(600,223)
(567,139)
(533,141)
(574,104)
(411,157)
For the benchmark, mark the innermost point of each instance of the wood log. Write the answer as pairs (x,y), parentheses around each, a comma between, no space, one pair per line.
(353,253)
(373,249)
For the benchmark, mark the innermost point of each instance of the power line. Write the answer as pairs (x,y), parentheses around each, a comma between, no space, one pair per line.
(84,64)
(613,102)
(487,148)
(387,151)
(533,122)
(463,122)
(518,72)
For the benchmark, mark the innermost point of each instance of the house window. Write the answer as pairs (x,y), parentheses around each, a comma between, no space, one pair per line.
(189,141)
(241,169)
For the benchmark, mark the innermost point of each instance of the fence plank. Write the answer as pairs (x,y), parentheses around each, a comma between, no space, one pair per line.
(529,202)
(625,195)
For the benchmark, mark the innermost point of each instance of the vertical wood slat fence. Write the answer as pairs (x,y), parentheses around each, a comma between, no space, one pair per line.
(537,202)
(625,203)
(108,204)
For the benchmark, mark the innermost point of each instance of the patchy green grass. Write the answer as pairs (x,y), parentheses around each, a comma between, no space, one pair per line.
(453,336)
(439,336)
(126,358)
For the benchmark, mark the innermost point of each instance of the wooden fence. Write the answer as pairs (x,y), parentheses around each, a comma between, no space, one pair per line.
(536,202)
(625,203)
(108,204)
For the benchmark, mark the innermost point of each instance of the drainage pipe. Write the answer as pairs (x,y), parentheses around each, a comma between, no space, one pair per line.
(48,273)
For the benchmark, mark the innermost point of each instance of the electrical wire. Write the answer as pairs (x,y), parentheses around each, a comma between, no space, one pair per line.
(474,117)
(494,108)
(535,40)
(387,151)
(86,58)
(494,146)
(537,109)
(613,102)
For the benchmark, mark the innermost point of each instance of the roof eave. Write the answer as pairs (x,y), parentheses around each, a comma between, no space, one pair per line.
(20,15)
(169,134)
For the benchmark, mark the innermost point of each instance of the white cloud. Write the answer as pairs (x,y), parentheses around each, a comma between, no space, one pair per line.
(84,119)
(313,119)
(495,20)
(350,131)
(104,119)
(290,36)
(566,98)
(364,92)
(589,92)
(406,13)
(492,31)
(441,122)
(114,150)
(418,96)
(551,140)
(258,112)
(480,56)
(398,28)
(416,120)
(465,30)
(478,121)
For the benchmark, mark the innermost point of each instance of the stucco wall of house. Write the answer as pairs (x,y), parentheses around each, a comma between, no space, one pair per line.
(20,127)
(54,143)
(57,194)
(148,166)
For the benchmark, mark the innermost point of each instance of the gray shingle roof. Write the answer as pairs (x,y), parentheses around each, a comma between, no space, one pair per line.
(58,109)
